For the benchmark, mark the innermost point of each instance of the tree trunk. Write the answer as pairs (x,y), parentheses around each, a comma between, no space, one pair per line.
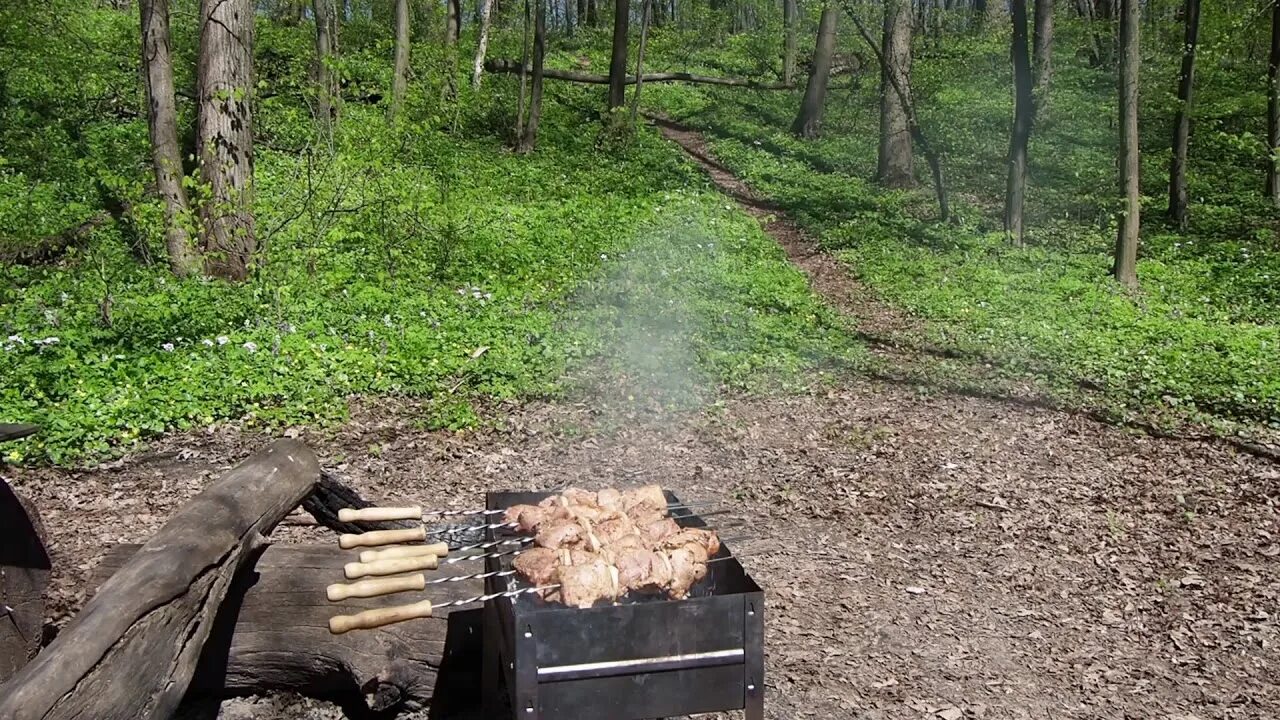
(524,76)
(162,121)
(225,136)
(808,122)
(400,79)
(1043,51)
(482,47)
(1020,135)
(132,650)
(618,58)
(581,16)
(789,22)
(593,15)
(1273,109)
(324,13)
(1126,256)
(1182,125)
(896,163)
(272,635)
(451,28)
(529,138)
(24,575)
(645,11)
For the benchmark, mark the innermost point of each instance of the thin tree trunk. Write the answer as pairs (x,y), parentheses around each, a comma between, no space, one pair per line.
(400,79)
(808,122)
(645,11)
(529,139)
(324,13)
(1126,255)
(913,122)
(1043,51)
(896,163)
(524,76)
(618,58)
(789,21)
(593,16)
(582,12)
(1182,125)
(1023,114)
(1273,109)
(451,25)
(225,136)
(162,121)
(482,47)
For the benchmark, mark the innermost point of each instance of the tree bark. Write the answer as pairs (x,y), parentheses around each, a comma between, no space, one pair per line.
(789,22)
(1182,124)
(618,58)
(451,25)
(645,12)
(593,15)
(1043,51)
(24,575)
(1020,134)
(896,163)
(808,122)
(400,78)
(132,650)
(1126,254)
(272,635)
(581,16)
(1273,109)
(324,17)
(162,123)
(529,138)
(225,136)
(512,67)
(482,46)
(524,75)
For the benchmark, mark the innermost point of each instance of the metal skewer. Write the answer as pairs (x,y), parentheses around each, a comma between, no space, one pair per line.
(416,512)
(385,616)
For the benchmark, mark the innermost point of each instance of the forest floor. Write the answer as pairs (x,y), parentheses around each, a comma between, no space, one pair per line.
(925,553)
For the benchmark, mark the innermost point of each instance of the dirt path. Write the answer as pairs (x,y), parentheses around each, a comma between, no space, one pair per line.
(925,555)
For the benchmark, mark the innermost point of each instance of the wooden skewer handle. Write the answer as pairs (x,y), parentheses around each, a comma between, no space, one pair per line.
(376,587)
(382,537)
(378,514)
(370,619)
(394,566)
(437,549)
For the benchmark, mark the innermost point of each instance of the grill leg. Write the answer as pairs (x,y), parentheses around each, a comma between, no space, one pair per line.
(491,665)
(753,635)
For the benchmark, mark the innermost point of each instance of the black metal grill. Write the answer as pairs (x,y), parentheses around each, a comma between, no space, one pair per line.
(646,657)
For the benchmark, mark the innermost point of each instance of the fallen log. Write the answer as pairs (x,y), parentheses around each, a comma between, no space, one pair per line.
(24,575)
(16,431)
(272,635)
(132,650)
(512,67)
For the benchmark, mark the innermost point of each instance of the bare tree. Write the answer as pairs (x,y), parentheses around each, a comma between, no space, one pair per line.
(1043,51)
(1182,125)
(895,167)
(529,138)
(400,76)
(1020,136)
(618,58)
(1125,268)
(482,46)
(162,121)
(808,122)
(1273,108)
(224,136)
(789,22)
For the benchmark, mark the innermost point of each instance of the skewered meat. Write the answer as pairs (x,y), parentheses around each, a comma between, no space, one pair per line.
(656,532)
(610,499)
(686,570)
(705,540)
(529,517)
(539,565)
(643,570)
(650,495)
(582,585)
(559,533)
(611,528)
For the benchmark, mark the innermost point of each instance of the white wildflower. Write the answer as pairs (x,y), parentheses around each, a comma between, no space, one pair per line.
(167,347)
(223,339)
(251,346)
(207,342)
(46,341)
(603,256)
(17,340)
(488,296)
(386,320)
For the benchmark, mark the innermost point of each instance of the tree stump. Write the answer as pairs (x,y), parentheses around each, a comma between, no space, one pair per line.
(132,650)
(272,635)
(24,575)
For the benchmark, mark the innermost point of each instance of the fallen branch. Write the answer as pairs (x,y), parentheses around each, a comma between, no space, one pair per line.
(132,650)
(52,247)
(512,67)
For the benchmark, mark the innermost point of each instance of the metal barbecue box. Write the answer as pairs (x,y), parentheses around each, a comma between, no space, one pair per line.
(644,657)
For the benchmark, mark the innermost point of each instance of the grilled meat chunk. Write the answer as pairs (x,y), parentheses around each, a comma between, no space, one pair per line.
(583,585)
(538,565)
(559,533)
